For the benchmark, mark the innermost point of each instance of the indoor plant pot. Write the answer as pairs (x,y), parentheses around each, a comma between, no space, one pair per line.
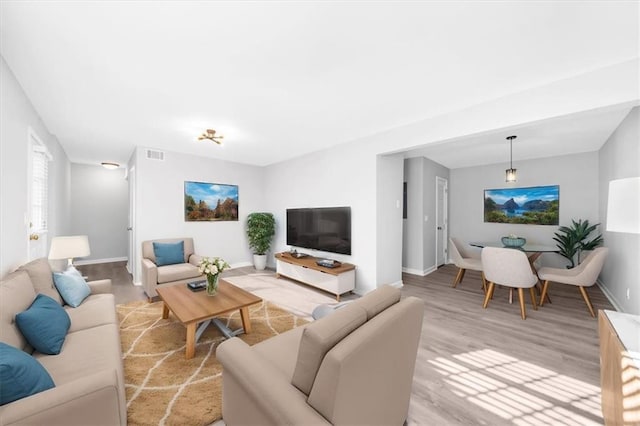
(261,228)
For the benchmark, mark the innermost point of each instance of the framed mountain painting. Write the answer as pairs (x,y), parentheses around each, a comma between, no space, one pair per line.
(210,202)
(535,205)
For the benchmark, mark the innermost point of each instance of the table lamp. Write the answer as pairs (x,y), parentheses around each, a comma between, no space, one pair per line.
(69,247)
(623,207)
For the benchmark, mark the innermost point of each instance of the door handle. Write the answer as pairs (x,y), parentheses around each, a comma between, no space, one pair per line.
(34,237)
(129,228)
(439,228)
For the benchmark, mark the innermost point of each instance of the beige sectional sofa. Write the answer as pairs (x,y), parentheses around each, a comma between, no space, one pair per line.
(88,372)
(353,367)
(179,273)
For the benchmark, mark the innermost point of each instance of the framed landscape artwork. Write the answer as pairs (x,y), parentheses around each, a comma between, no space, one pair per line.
(536,205)
(210,202)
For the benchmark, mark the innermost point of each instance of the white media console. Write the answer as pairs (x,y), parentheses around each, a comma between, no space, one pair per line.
(338,280)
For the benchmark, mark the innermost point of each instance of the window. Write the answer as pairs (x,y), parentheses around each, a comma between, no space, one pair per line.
(40,158)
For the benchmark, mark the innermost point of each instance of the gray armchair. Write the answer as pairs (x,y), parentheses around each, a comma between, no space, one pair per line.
(154,275)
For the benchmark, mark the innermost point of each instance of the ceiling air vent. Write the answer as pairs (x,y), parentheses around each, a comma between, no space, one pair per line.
(155,155)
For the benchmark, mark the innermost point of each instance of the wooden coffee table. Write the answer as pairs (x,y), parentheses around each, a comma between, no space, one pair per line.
(193,308)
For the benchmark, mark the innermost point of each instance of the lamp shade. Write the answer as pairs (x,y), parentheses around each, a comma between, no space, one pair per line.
(69,247)
(623,207)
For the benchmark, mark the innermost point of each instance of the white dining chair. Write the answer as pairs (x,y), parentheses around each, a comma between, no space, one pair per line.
(582,276)
(464,259)
(510,268)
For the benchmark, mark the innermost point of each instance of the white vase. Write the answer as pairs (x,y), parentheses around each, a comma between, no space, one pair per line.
(260,261)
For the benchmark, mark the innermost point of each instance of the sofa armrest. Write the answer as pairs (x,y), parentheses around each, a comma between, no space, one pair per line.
(254,389)
(194,259)
(149,277)
(100,286)
(90,400)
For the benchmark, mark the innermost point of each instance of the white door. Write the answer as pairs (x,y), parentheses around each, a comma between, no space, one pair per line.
(38,158)
(131,258)
(441,221)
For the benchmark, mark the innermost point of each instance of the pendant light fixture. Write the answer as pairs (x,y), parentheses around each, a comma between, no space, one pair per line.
(511,172)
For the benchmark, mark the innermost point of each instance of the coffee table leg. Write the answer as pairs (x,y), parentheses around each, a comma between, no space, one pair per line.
(191,341)
(246,321)
(165,311)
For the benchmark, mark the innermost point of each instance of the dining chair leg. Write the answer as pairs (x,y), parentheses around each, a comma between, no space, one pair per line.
(585,296)
(532,293)
(523,311)
(545,287)
(487,296)
(459,277)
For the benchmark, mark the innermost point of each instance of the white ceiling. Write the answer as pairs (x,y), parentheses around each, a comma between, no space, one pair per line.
(280,79)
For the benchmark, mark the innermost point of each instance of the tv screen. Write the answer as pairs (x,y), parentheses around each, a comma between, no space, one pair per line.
(327,229)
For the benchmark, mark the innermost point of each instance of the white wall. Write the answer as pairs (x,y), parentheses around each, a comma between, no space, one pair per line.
(620,158)
(577,176)
(332,177)
(389,177)
(16,116)
(160,204)
(419,237)
(99,209)
(412,231)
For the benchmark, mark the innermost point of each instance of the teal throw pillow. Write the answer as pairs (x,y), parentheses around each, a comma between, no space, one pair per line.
(168,253)
(21,375)
(44,324)
(71,286)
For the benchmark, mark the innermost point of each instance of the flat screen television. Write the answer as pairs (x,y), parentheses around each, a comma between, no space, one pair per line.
(325,228)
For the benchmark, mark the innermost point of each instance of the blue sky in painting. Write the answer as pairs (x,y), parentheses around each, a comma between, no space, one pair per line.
(522,195)
(210,193)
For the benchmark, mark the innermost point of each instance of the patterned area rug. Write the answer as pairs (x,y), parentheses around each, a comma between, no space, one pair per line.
(163,388)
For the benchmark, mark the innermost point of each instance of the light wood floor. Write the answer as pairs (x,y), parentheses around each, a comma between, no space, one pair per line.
(485,366)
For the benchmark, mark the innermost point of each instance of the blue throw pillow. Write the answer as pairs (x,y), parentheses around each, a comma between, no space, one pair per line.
(21,375)
(44,324)
(168,253)
(71,286)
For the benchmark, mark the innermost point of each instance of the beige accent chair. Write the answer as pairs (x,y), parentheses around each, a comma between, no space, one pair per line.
(582,276)
(464,259)
(510,268)
(353,367)
(154,275)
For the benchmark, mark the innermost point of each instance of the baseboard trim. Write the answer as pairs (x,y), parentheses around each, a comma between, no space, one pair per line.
(609,296)
(419,272)
(397,284)
(241,264)
(96,261)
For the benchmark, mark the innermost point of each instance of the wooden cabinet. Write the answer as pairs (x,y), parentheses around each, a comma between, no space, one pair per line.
(339,280)
(619,367)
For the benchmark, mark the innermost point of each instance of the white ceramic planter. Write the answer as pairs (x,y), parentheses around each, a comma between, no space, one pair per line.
(260,261)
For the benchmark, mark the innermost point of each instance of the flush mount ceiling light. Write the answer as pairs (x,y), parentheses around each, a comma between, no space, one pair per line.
(210,134)
(110,166)
(511,172)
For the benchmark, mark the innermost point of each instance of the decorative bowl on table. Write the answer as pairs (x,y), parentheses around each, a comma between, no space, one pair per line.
(513,241)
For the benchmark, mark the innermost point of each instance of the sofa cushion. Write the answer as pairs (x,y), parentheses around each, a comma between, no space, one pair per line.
(319,337)
(96,310)
(85,352)
(16,295)
(180,271)
(168,253)
(20,374)
(44,324)
(378,300)
(281,350)
(72,286)
(41,276)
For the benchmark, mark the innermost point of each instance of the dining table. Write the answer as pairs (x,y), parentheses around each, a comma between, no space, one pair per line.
(533,252)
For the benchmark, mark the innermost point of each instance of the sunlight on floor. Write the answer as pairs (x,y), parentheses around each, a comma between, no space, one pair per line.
(520,391)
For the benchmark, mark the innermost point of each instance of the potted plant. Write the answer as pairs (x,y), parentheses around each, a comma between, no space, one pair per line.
(572,240)
(261,228)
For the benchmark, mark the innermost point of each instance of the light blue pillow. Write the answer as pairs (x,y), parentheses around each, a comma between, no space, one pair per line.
(44,324)
(71,286)
(168,253)
(21,375)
